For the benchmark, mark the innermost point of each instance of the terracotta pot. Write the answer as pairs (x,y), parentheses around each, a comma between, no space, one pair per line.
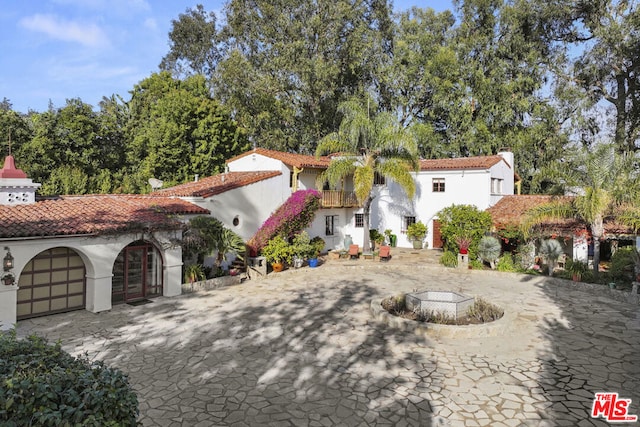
(277,266)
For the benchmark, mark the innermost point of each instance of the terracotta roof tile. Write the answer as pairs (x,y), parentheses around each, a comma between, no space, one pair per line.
(511,209)
(216,184)
(290,159)
(479,162)
(95,214)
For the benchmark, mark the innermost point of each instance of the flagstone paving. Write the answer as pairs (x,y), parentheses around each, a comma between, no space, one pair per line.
(301,348)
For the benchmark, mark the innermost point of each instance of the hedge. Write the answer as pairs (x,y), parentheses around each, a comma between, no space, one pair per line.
(41,384)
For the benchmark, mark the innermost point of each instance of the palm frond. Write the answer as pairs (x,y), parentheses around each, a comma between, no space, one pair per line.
(363,182)
(398,170)
(338,169)
(555,210)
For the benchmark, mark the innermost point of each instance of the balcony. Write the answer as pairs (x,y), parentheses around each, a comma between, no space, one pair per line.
(339,199)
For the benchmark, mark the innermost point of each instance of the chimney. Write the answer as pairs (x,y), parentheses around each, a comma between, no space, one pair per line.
(196,178)
(507,155)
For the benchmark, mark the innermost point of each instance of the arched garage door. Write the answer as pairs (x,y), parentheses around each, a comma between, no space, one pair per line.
(52,282)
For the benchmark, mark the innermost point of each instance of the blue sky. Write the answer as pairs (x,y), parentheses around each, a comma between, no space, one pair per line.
(53,50)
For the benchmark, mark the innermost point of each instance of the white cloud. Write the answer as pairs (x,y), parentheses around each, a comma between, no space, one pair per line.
(86,34)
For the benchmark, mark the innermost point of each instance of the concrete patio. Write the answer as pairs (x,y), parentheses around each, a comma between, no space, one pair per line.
(301,348)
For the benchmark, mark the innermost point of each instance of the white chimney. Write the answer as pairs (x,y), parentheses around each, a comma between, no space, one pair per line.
(196,178)
(508,157)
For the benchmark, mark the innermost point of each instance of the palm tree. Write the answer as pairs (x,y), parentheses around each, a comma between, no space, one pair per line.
(605,185)
(369,143)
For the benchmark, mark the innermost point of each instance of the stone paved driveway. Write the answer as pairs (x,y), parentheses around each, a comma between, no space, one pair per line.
(302,349)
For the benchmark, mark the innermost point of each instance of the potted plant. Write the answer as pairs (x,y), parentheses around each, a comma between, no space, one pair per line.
(416,232)
(375,237)
(392,239)
(302,249)
(463,243)
(317,244)
(489,250)
(576,269)
(277,251)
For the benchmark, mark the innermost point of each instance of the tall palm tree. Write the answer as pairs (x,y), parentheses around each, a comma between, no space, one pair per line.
(605,185)
(369,143)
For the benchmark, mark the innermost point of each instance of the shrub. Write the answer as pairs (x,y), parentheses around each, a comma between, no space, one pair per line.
(417,231)
(505,264)
(449,259)
(463,220)
(551,250)
(622,264)
(476,264)
(483,311)
(295,214)
(44,385)
(526,255)
(489,250)
(318,245)
(278,250)
(302,247)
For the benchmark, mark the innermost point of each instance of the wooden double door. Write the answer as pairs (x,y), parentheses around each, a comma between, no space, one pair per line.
(137,273)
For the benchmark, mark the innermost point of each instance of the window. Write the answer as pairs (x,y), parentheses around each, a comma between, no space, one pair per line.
(496,185)
(290,179)
(438,185)
(379,179)
(359,220)
(330,222)
(406,222)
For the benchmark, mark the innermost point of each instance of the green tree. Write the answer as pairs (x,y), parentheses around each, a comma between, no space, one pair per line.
(289,63)
(371,143)
(605,184)
(177,130)
(193,44)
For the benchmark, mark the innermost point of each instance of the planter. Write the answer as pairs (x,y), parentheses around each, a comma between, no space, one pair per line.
(464,251)
(277,266)
(393,240)
(297,262)
(417,244)
(313,262)
(576,277)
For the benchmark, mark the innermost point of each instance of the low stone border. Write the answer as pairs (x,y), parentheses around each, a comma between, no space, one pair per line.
(491,329)
(206,285)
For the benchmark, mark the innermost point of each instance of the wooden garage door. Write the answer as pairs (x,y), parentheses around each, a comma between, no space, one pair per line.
(52,282)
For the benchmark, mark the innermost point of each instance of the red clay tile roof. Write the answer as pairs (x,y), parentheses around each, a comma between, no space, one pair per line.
(479,162)
(511,209)
(290,159)
(216,184)
(95,214)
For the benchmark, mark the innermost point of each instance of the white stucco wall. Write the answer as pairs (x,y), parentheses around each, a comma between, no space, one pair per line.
(99,255)
(255,162)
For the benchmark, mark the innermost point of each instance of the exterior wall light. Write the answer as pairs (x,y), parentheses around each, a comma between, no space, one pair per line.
(7,262)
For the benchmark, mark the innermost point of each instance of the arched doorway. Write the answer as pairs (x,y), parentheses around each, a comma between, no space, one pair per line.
(137,273)
(52,282)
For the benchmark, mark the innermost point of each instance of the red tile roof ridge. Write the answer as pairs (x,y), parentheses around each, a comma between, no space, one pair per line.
(453,163)
(216,184)
(290,159)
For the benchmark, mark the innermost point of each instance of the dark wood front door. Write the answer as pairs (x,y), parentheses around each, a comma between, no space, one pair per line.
(437,236)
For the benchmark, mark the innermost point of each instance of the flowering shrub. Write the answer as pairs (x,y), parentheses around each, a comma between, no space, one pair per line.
(292,217)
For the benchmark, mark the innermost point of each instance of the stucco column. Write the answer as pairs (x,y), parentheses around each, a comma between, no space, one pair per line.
(98,293)
(172,272)
(8,304)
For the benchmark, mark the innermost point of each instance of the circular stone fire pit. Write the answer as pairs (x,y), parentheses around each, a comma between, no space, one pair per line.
(448,303)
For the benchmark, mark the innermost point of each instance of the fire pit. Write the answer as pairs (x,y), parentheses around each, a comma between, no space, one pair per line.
(449,303)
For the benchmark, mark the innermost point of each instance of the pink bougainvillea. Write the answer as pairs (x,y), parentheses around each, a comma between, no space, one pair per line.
(295,214)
